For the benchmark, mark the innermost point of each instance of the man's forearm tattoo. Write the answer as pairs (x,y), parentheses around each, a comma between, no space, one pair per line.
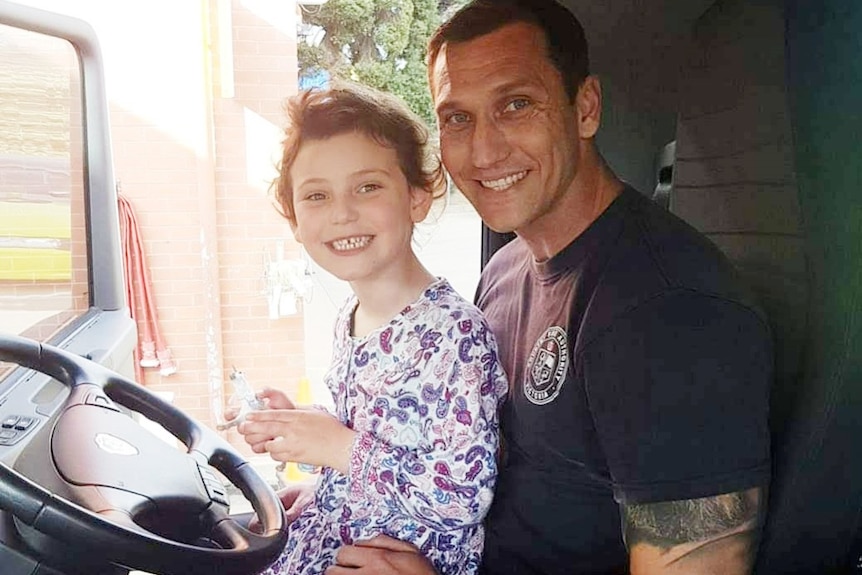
(672,523)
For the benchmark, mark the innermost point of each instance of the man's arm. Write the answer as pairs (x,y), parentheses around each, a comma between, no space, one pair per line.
(382,555)
(717,534)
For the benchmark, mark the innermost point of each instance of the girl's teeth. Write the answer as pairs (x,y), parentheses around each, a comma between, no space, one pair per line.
(351,243)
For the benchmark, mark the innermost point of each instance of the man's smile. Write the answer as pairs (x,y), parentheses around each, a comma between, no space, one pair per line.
(504,183)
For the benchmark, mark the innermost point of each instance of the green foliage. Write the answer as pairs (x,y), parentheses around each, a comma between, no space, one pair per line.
(378,42)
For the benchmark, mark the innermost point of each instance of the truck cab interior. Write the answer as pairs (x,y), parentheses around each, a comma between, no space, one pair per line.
(741,116)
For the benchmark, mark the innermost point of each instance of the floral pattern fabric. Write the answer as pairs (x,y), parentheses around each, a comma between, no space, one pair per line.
(423,393)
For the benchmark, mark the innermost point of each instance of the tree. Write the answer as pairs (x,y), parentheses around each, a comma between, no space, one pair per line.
(378,42)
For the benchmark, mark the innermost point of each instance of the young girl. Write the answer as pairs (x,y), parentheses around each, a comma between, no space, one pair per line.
(411,450)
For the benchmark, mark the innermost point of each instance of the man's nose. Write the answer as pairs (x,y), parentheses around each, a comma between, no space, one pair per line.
(490,144)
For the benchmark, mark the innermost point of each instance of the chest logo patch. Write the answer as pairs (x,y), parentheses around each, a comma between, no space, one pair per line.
(547,366)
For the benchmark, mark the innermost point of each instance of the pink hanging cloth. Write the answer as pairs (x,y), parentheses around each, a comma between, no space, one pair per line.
(152,351)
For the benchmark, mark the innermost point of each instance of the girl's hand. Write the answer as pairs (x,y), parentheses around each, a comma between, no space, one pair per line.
(294,499)
(275,399)
(307,436)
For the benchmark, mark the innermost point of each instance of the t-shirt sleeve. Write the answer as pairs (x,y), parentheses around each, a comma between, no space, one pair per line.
(679,392)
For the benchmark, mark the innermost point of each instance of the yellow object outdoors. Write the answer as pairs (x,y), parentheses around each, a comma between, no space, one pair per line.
(294,473)
(35,241)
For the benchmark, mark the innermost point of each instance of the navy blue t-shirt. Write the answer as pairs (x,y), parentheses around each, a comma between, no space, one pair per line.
(639,372)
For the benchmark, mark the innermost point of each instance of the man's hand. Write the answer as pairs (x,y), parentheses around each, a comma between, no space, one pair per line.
(307,436)
(697,536)
(381,556)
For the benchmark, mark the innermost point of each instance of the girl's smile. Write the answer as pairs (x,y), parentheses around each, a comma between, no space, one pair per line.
(350,244)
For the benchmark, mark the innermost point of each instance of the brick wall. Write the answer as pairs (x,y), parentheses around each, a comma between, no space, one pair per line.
(248,116)
(196,92)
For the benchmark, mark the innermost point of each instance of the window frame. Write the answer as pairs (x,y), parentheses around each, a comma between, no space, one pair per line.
(113,342)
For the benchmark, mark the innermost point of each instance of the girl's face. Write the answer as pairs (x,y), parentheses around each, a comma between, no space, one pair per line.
(354,209)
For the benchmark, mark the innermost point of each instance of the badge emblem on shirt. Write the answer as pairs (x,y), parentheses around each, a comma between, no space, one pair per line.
(547,366)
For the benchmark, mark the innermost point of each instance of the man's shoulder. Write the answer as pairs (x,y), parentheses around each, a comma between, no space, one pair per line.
(509,265)
(665,253)
(513,253)
(658,257)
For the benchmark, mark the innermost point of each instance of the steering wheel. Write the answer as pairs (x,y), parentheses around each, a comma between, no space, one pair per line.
(99,485)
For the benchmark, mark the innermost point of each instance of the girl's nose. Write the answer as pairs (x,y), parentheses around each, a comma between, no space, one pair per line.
(343,209)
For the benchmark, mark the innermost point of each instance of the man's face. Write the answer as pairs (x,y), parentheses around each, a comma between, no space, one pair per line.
(509,135)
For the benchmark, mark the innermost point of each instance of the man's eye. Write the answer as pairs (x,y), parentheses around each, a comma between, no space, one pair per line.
(457,119)
(517,104)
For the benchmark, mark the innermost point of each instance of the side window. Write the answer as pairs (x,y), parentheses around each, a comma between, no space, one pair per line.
(43,249)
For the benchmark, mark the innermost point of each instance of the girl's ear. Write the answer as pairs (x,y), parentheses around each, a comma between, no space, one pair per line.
(295,229)
(420,204)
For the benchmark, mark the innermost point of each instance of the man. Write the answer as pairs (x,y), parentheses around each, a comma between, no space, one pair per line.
(635,433)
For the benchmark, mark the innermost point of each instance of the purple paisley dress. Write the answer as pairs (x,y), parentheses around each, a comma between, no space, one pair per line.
(423,392)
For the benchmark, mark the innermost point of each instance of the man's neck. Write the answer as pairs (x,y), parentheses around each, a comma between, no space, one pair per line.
(590,194)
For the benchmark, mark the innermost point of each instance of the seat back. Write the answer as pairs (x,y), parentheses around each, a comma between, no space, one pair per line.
(664,175)
(770,169)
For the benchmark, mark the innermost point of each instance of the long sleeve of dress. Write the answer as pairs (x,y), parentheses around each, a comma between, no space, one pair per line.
(446,480)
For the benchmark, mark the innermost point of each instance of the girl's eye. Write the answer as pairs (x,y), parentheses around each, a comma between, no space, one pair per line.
(315,196)
(366,188)
(517,104)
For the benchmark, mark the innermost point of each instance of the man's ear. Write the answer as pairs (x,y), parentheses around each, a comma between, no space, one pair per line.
(588,107)
(420,204)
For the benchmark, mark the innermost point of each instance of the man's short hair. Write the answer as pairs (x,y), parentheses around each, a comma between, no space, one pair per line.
(564,36)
